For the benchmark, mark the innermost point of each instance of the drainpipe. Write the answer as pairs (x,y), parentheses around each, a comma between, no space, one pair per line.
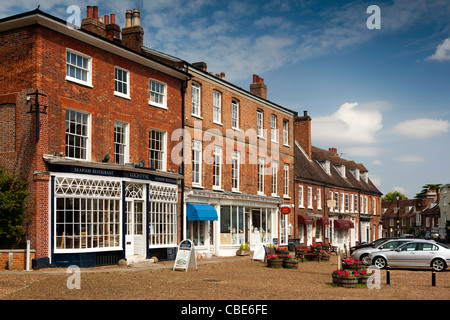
(183,118)
(359,216)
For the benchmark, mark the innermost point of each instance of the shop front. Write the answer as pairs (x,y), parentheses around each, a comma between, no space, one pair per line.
(237,219)
(101,214)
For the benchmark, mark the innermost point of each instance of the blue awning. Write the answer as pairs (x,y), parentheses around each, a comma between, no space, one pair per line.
(202,212)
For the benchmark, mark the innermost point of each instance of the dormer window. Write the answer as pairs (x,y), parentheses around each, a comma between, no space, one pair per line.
(355,173)
(341,169)
(365,176)
(325,164)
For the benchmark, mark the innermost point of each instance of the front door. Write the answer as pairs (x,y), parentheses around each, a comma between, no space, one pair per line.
(135,238)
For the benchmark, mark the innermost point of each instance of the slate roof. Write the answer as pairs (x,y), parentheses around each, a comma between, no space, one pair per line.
(310,171)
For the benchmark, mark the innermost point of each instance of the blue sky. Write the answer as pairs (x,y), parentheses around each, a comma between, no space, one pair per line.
(380,96)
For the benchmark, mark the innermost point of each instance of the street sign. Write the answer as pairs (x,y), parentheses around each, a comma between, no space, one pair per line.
(185,256)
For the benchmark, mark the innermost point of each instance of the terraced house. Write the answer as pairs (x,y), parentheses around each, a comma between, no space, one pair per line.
(89,117)
(336,202)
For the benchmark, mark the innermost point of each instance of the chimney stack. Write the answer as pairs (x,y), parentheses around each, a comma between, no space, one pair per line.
(200,65)
(112,29)
(133,33)
(92,23)
(303,133)
(333,150)
(258,87)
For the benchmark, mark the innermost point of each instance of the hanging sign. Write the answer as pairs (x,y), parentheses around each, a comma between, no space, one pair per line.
(285,209)
(185,256)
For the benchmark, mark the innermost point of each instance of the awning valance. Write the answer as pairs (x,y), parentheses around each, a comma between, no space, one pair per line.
(324,221)
(201,212)
(343,224)
(304,219)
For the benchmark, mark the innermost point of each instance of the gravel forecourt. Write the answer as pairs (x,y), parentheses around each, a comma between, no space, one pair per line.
(233,278)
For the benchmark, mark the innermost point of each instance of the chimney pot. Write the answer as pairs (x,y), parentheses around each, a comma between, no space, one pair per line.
(100,19)
(106,19)
(128,16)
(89,12)
(113,18)
(222,75)
(258,87)
(136,17)
(95,12)
(305,113)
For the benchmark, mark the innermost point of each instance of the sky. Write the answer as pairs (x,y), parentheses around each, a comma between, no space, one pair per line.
(375,80)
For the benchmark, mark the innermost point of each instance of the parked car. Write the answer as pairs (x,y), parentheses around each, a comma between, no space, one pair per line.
(424,253)
(371,244)
(363,253)
(432,235)
(408,236)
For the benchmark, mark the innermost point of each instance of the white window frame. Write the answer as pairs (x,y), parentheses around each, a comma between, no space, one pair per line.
(310,198)
(235,114)
(162,151)
(331,193)
(217,107)
(125,144)
(126,83)
(286,181)
(235,170)
(88,70)
(162,95)
(347,203)
(196,99)
(286,132)
(197,160)
(336,197)
(217,168)
(366,205)
(274,178)
(284,229)
(273,128)
(86,138)
(260,123)
(319,199)
(300,197)
(342,203)
(261,175)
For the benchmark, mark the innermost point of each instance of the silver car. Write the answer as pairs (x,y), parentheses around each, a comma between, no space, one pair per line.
(363,253)
(422,253)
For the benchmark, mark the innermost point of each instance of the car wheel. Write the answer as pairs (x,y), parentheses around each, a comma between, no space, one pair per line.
(438,265)
(365,259)
(380,262)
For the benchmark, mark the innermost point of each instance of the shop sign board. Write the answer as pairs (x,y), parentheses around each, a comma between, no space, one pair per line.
(185,256)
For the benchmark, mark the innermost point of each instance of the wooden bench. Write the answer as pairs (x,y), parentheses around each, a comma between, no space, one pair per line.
(268,251)
(306,252)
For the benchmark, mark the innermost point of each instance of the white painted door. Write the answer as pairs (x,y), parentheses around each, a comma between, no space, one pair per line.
(135,238)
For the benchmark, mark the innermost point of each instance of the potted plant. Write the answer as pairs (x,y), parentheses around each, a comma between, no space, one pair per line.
(363,276)
(243,250)
(352,264)
(316,246)
(346,279)
(284,252)
(291,262)
(325,255)
(274,261)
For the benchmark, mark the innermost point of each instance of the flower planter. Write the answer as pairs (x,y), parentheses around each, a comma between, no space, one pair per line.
(334,276)
(347,282)
(243,252)
(325,257)
(275,263)
(363,280)
(290,264)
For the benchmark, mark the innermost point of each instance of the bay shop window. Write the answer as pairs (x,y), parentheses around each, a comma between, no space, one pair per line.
(245,225)
(88,213)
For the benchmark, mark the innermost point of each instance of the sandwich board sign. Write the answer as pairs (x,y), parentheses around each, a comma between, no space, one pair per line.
(185,256)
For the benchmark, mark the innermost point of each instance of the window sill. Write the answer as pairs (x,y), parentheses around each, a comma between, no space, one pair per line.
(218,123)
(286,145)
(217,188)
(286,197)
(198,186)
(83,83)
(121,95)
(157,105)
(259,193)
(197,116)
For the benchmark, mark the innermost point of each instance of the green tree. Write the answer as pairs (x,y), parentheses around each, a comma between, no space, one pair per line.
(13,213)
(426,188)
(392,196)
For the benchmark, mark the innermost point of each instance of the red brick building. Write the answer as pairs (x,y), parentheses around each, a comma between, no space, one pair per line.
(335,201)
(103,184)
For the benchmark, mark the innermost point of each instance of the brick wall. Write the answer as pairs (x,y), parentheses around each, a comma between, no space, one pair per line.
(19,259)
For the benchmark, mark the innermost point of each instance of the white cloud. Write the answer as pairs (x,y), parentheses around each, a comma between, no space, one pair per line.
(442,52)
(377,162)
(410,158)
(350,125)
(422,128)
(400,189)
